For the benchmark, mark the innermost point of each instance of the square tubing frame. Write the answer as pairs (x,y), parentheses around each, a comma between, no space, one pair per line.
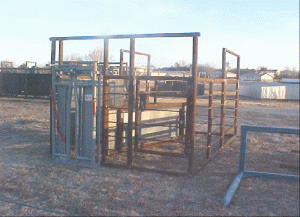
(243,148)
(223,96)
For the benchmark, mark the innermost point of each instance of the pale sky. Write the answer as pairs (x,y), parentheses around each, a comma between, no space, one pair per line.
(263,32)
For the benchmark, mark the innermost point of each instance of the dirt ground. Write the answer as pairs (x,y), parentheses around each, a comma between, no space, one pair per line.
(33,184)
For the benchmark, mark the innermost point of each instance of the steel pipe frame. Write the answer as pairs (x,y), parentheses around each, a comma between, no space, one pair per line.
(122,51)
(156,35)
(243,148)
(191,102)
(223,96)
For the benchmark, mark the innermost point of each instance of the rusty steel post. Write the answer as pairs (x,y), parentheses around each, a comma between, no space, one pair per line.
(193,105)
(223,98)
(105,104)
(156,89)
(61,52)
(236,96)
(147,81)
(131,102)
(137,115)
(119,130)
(210,119)
(121,62)
(53,52)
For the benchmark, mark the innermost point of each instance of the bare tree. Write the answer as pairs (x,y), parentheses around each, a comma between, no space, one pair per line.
(181,63)
(7,64)
(207,68)
(95,55)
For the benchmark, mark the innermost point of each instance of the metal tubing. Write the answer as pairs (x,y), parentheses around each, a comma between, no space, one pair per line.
(294,178)
(234,54)
(130,103)
(236,105)
(125,77)
(209,119)
(156,88)
(243,147)
(61,52)
(193,105)
(119,130)
(121,62)
(137,115)
(230,192)
(135,52)
(105,111)
(53,52)
(223,97)
(148,106)
(131,36)
(217,80)
(163,153)
(163,78)
(147,81)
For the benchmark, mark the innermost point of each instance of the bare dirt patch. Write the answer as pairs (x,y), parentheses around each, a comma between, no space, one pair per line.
(29,175)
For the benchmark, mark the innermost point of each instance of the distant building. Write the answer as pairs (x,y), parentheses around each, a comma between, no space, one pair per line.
(263,76)
(267,76)
(218,74)
(249,76)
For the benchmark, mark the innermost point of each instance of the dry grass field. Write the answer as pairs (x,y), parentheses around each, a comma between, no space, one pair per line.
(33,184)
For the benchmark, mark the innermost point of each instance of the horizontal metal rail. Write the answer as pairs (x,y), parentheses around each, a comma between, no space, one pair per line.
(163,78)
(218,80)
(135,52)
(147,106)
(163,153)
(156,35)
(234,54)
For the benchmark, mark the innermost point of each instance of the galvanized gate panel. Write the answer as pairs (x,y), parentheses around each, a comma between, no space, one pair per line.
(85,123)
(62,124)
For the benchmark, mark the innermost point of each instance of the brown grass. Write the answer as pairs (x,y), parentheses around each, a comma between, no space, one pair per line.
(29,175)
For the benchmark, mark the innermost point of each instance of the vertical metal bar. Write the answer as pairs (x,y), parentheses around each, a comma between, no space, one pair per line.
(119,130)
(61,52)
(52,140)
(147,81)
(210,119)
(121,62)
(243,149)
(77,97)
(156,89)
(130,103)
(224,76)
(193,104)
(137,115)
(96,145)
(105,104)
(99,120)
(53,52)
(236,105)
